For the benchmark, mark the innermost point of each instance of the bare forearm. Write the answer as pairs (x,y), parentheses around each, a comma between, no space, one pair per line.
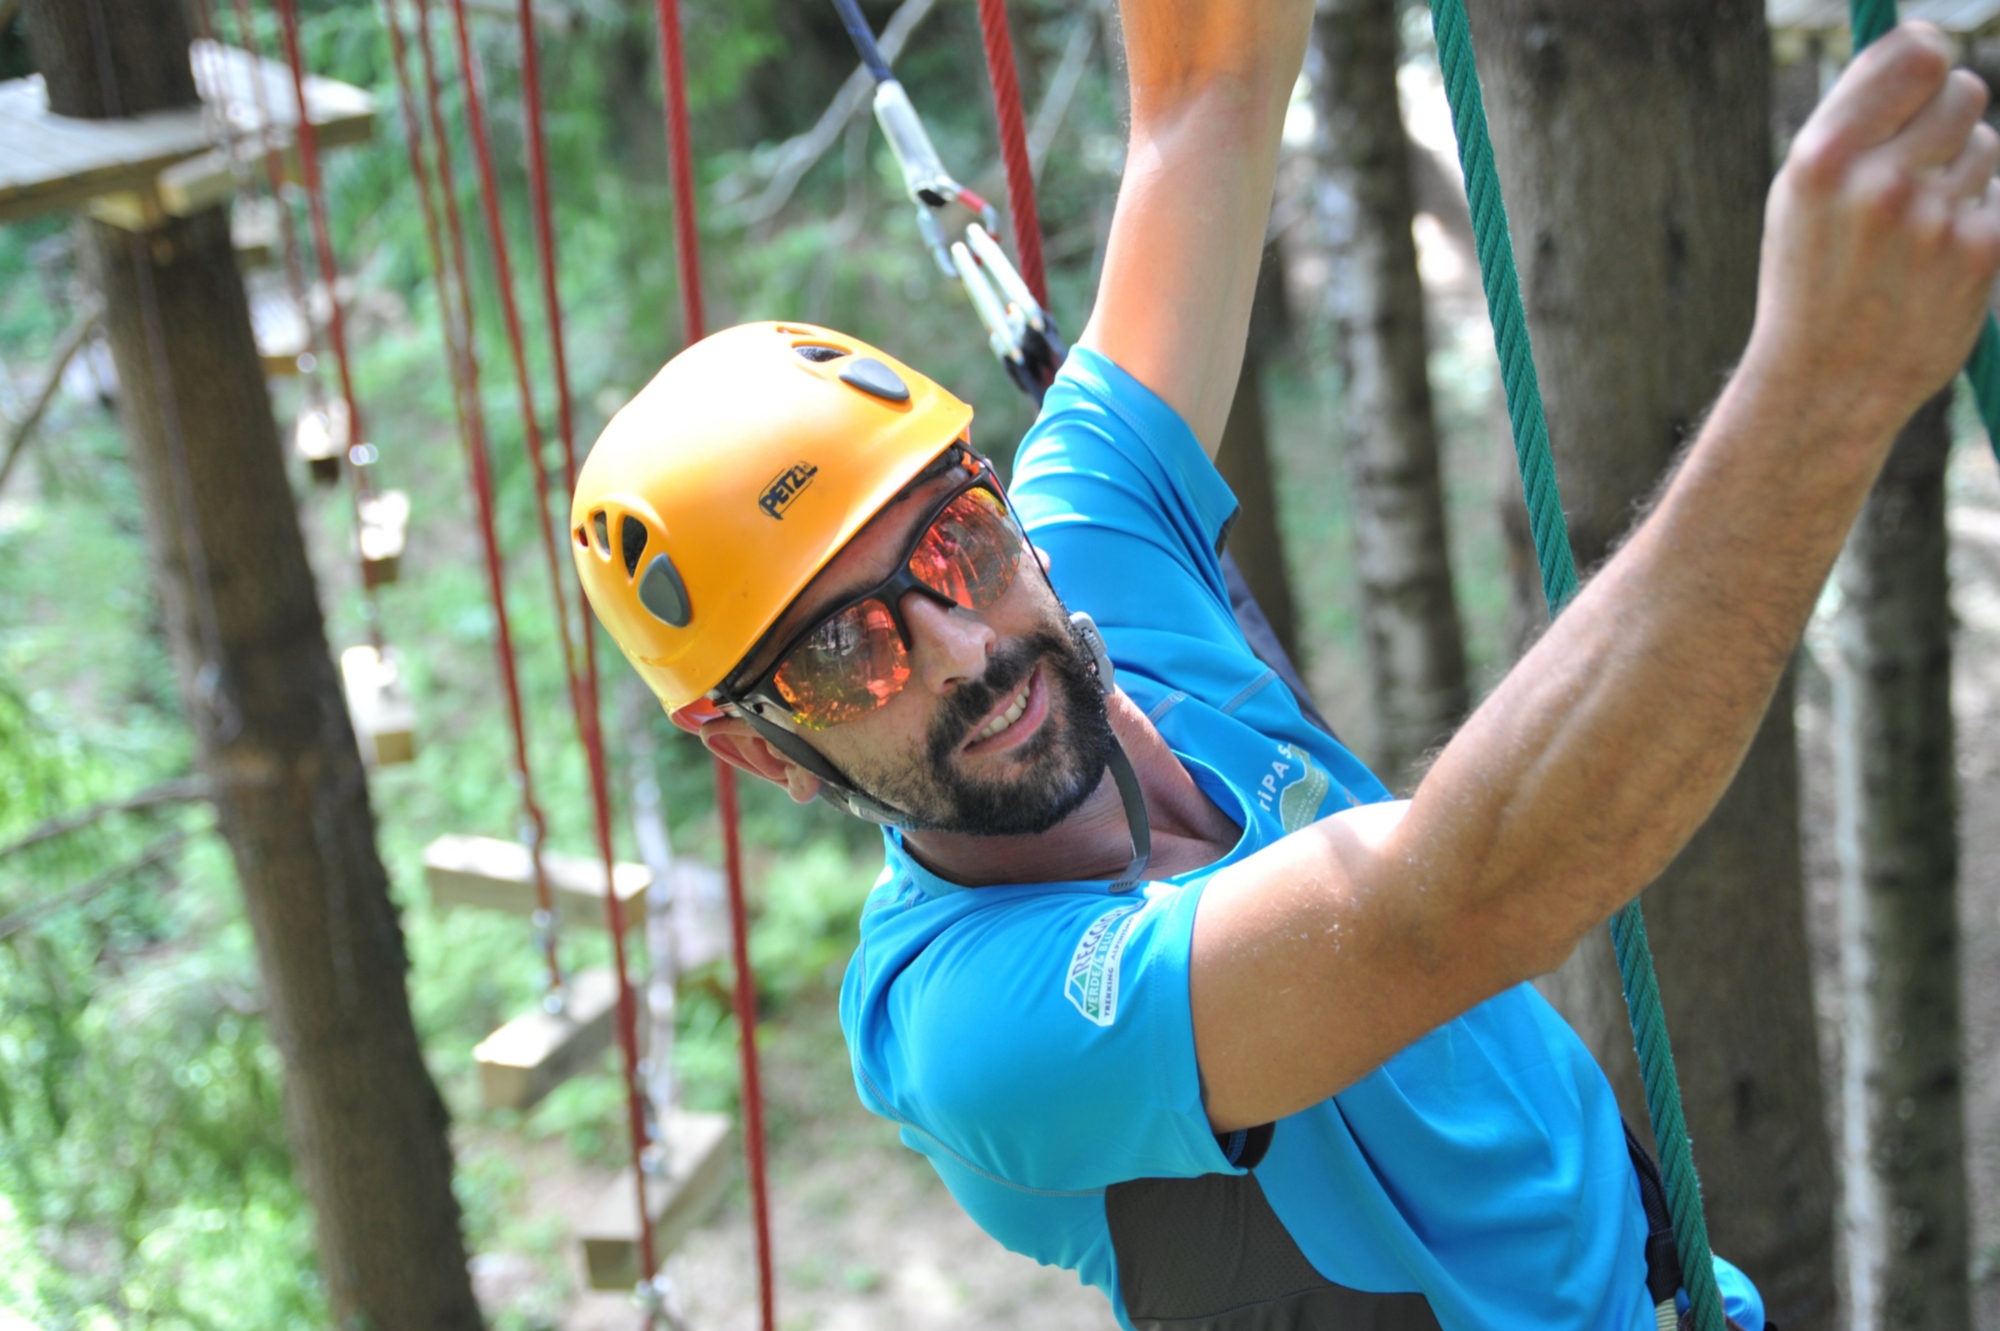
(1210,84)
(1600,754)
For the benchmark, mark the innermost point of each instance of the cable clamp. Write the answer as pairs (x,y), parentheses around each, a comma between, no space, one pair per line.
(925,180)
(1021,333)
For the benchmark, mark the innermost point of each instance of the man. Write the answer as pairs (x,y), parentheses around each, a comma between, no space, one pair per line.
(1157,976)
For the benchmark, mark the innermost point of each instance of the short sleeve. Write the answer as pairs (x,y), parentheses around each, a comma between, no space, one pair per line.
(1048,1042)
(1115,487)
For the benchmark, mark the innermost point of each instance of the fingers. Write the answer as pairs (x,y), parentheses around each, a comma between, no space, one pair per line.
(1970,173)
(1937,134)
(1885,87)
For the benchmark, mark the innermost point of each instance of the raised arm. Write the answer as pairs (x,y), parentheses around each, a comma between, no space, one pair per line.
(1598,756)
(1210,82)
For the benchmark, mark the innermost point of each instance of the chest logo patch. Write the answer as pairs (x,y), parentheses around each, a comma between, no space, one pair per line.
(1091,984)
(1294,787)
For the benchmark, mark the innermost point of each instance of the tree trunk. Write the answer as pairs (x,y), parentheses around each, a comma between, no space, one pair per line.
(1897,837)
(1635,148)
(1409,613)
(1244,459)
(272,733)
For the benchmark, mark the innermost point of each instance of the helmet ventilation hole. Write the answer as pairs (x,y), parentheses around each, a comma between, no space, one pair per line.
(820,355)
(602,528)
(632,542)
(582,540)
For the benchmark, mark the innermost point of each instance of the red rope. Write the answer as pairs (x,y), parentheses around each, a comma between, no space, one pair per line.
(357,468)
(584,693)
(1014,145)
(680,156)
(582,698)
(274,174)
(329,272)
(687,244)
(465,368)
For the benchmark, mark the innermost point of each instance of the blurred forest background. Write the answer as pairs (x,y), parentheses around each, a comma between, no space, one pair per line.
(146,1177)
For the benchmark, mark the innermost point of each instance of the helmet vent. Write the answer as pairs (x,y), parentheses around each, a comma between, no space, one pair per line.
(582,539)
(632,542)
(820,355)
(663,594)
(602,528)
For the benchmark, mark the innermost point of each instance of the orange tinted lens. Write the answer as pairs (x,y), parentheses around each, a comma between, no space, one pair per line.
(848,667)
(971,551)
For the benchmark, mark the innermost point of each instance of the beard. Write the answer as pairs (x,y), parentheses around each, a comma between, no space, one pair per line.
(1054,771)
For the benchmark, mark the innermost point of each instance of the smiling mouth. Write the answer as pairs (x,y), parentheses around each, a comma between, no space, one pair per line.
(1008,717)
(1015,717)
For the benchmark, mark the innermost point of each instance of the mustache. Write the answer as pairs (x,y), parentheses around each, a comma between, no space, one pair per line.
(970,702)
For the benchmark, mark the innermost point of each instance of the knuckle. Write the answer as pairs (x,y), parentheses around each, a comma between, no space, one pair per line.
(1886,196)
(1817,162)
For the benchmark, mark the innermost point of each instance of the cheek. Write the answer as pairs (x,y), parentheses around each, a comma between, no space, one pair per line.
(884,736)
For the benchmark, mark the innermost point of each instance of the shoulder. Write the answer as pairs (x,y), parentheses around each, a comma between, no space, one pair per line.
(1020,1029)
(1100,424)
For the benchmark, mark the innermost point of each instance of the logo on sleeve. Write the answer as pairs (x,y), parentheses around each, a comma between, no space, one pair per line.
(1092,983)
(1297,797)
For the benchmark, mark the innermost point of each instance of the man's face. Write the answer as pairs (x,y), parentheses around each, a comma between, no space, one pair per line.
(1001,728)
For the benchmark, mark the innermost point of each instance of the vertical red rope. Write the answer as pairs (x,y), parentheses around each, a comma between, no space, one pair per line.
(308,142)
(462,364)
(680,157)
(746,1026)
(584,692)
(687,246)
(582,702)
(274,174)
(1014,145)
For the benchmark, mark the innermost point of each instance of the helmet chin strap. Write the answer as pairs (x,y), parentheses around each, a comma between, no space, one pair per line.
(838,790)
(1137,825)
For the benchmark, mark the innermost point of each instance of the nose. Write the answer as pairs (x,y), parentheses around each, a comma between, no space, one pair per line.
(950,646)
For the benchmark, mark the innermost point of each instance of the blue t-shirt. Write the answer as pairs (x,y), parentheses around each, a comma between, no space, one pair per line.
(1035,1042)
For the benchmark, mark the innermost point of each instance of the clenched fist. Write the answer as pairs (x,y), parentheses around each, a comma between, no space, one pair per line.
(1882,235)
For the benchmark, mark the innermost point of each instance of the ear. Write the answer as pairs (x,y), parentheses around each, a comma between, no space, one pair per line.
(733,741)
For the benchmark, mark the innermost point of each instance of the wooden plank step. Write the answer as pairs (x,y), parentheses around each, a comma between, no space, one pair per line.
(385,720)
(55,162)
(283,335)
(320,436)
(499,875)
(381,521)
(538,1051)
(699,1150)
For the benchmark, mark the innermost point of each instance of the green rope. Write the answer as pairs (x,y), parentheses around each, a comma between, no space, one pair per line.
(1552,552)
(1869,19)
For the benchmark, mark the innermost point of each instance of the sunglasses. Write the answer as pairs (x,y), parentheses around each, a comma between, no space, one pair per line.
(856,657)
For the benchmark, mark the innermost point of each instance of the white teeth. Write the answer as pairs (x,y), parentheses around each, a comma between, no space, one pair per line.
(1008,717)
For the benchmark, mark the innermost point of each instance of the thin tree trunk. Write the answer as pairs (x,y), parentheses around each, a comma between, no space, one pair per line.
(1409,612)
(1634,144)
(1244,459)
(272,734)
(1897,839)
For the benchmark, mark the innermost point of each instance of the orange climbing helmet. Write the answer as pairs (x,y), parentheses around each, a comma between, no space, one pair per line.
(729,482)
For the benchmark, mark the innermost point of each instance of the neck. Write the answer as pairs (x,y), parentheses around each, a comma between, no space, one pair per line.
(1094,841)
